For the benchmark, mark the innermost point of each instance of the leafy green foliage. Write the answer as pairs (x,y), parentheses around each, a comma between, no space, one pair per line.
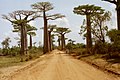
(114,35)
(100,48)
(5,45)
(88,9)
(99,26)
(62,30)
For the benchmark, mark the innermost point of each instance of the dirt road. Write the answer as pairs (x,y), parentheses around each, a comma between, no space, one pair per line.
(58,66)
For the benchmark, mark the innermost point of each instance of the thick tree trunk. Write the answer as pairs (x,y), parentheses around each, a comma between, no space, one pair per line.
(50,45)
(45,48)
(25,39)
(89,39)
(22,41)
(63,41)
(118,13)
(30,41)
(58,41)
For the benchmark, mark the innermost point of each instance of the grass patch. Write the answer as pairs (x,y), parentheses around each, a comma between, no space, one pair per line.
(6,61)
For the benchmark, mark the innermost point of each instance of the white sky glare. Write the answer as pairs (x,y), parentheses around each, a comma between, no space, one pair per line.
(64,7)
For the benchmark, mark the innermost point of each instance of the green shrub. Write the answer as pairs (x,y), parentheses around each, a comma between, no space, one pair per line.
(100,48)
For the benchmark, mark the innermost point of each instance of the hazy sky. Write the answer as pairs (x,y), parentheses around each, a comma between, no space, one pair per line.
(65,7)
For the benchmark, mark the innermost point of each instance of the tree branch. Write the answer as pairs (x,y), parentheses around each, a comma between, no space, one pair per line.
(55,16)
(114,1)
(33,18)
(7,18)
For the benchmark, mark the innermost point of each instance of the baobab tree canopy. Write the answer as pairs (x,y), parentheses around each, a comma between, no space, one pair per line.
(42,6)
(88,9)
(21,16)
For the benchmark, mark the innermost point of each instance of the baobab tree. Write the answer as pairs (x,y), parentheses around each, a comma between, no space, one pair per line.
(52,41)
(20,19)
(50,29)
(117,3)
(44,7)
(31,32)
(88,10)
(62,31)
(59,39)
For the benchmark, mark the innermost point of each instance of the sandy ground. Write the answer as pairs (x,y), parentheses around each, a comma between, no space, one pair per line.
(59,66)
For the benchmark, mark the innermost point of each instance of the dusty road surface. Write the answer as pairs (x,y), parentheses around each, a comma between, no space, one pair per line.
(59,66)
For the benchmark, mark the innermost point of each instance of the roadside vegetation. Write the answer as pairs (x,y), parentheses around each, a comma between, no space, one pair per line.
(12,57)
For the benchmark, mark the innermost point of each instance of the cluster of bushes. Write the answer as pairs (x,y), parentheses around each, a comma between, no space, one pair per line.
(10,51)
(78,48)
(33,53)
(111,49)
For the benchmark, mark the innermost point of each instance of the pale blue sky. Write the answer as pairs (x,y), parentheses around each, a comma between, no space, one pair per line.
(65,7)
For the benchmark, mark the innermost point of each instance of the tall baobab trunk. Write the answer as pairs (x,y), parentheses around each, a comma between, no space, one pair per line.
(52,45)
(63,41)
(50,41)
(118,15)
(22,49)
(89,39)
(25,39)
(45,48)
(30,41)
(58,41)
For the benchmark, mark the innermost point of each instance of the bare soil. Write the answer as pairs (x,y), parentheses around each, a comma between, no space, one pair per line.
(59,66)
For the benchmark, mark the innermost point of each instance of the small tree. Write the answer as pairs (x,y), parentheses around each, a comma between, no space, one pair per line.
(5,43)
(99,27)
